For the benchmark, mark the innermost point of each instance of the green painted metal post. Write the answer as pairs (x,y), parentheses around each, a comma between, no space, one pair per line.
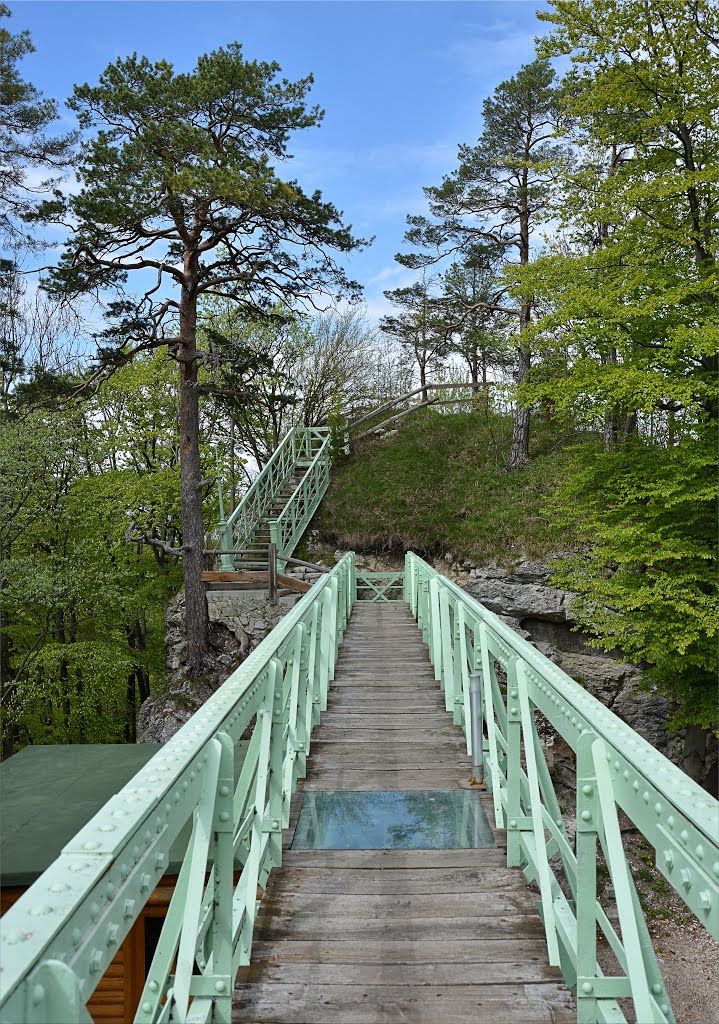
(588,820)
(226,560)
(222,868)
(273,819)
(514,769)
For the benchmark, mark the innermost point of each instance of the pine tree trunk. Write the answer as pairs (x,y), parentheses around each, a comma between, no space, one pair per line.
(519,453)
(196,618)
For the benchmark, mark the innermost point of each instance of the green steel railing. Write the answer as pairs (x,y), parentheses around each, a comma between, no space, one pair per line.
(616,769)
(302,447)
(61,935)
(287,528)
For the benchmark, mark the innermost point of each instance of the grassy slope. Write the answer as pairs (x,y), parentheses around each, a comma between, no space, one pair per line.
(439,485)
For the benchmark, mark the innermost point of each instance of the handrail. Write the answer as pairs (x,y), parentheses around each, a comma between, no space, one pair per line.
(615,768)
(296,446)
(293,519)
(60,936)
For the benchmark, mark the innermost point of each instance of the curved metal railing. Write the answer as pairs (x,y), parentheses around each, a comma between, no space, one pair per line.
(616,769)
(60,936)
(300,446)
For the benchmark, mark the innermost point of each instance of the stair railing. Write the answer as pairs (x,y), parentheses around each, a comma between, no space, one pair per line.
(299,446)
(293,520)
(616,769)
(59,938)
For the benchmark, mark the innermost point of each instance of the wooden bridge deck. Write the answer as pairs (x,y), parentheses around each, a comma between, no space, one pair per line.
(370,936)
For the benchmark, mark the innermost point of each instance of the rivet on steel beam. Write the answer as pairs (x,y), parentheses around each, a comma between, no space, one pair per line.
(224,790)
(59,887)
(587,790)
(513,824)
(616,766)
(109,890)
(113,933)
(586,816)
(129,908)
(684,836)
(670,821)
(668,858)
(91,845)
(699,851)
(107,828)
(95,961)
(656,988)
(715,868)
(686,877)
(94,911)
(38,994)
(153,986)
(635,785)
(145,883)
(146,1008)
(705,900)
(76,935)
(587,988)
(645,796)
(220,986)
(160,861)
(224,816)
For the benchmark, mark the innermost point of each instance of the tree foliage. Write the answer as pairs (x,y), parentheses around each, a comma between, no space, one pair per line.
(179,197)
(628,332)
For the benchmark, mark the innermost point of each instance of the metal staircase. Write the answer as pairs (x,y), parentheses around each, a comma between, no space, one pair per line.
(280,503)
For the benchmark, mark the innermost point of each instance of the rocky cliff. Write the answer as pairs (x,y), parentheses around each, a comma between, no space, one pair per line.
(524,599)
(239,621)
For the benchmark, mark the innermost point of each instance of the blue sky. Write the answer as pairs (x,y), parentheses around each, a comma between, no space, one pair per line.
(402,83)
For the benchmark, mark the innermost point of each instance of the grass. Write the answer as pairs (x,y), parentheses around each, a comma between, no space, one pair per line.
(439,484)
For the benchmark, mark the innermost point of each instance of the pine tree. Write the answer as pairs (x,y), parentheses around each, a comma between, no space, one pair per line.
(178,194)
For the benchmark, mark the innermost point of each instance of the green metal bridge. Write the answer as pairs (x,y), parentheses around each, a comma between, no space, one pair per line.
(361,699)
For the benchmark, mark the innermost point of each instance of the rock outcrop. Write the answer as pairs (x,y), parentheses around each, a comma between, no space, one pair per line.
(525,600)
(239,621)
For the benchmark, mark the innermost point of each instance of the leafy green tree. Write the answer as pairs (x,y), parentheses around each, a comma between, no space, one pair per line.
(83,634)
(478,332)
(178,194)
(646,570)
(629,299)
(25,141)
(419,326)
(501,191)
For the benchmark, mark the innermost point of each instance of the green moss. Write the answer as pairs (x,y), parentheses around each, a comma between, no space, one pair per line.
(440,484)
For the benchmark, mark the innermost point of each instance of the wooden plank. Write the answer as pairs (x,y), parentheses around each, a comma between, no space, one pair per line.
(398,881)
(302,586)
(519,926)
(388,860)
(415,860)
(398,908)
(238,576)
(428,1004)
(477,972)
(421,950)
